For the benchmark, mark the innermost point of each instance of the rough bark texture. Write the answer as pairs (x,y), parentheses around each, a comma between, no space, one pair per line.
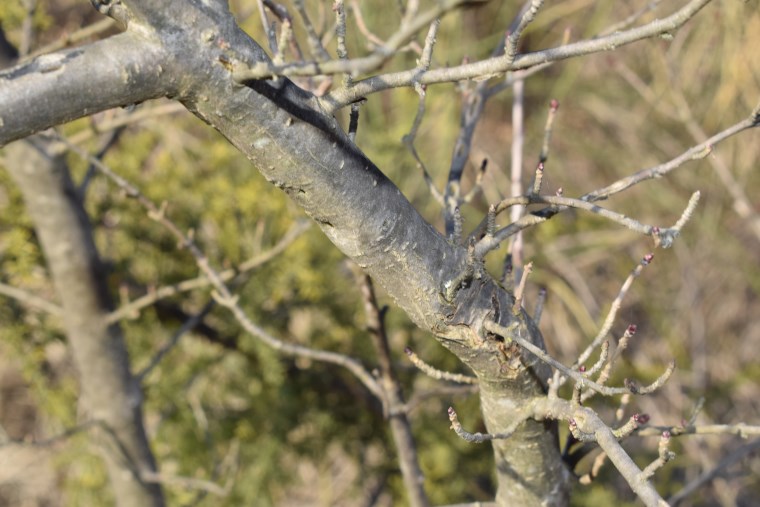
(303,151)
(109,392)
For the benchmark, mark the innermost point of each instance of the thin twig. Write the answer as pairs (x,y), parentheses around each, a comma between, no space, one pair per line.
(509,335)
(495,65)
(263,70)
(221,293)
(716,471)
(479,438)
(697,152)
(393,400)
(437,374)
(131,309)
(616,303)
(72,38)
(30,300)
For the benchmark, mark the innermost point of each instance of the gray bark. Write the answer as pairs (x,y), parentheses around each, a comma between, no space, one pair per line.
(109,393)
(303,151)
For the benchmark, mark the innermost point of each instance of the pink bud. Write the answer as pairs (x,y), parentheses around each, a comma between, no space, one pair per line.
(554,104)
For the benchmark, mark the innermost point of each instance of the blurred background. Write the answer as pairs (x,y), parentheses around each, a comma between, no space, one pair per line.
(222,407)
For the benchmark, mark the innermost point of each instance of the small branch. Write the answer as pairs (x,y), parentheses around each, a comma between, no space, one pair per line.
(479,438)
(70,39)
(697,152)
(186,327)
(601,362)
(596,466)
(340,35)
(268,28)
(497,65)
(30,300)
(393,400)
(741,430)
(622,345)
(187,483)
(664,456)
(516,174)
(517,306)
(423,64)
(513,39)
(709,475)
(437,374)
(587,426)
(55,439)
(317,49)
(130,310)
(612,313)
(265,70)
(477,187)
(221,293)
(539,310)
(510,336)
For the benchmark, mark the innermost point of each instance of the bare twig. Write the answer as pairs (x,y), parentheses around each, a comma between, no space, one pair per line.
(30,300)
(610,318)
(517,306)
(393,399)
(716,471)
(496,65)
(479,438)
(317,49)
(70,39)
(221,293)
(741,430)
(263,70)
(131,309)
(187,483)
(513,39)
(664,455)
(186,327)
(510,335)
(435,373)
(697,152)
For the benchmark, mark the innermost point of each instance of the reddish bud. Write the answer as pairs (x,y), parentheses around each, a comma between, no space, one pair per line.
(451,411)
(540,166)
(582,368)
(647,258)
(666,435)
(407,351)
(560,191)
(554,104)
(656,230)
(631,329)
(641,418)
(572,423)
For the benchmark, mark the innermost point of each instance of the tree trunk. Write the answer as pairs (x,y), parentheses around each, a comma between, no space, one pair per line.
(110,394)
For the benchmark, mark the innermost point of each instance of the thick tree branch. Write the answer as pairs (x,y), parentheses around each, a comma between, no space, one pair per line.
(56,88)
